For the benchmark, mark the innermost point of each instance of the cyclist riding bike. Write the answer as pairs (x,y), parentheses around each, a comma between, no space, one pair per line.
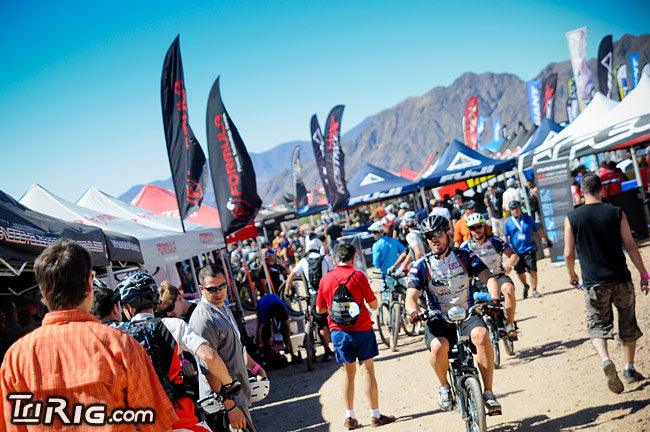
(444,277)
(490,249)
(416,248)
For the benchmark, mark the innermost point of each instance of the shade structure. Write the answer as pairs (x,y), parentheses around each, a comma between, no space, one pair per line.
(546,130)
(459,162)
(201,239)
(372,183)
(160,200)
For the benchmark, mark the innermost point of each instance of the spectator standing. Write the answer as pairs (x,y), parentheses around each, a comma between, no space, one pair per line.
(610,179)
(385,249)
(512,193)
(108,365)
(438,208)
(494,204)
(461,231)
(599,232)
(172,303)
(354,342)
(106,306)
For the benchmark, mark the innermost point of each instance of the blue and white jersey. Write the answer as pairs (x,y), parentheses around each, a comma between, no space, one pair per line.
(446,281)
(490,252)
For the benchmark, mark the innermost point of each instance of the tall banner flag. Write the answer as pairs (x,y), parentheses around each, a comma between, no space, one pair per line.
(186,157)
(577,40)
(634,68)
(621,78)
(471,123)
(318,144)
(605,66)
(535,101)
(646,69)
(496,128)
(548,101)
(299,189)
(481,127)
(572,106)
(233,175)
(337,194)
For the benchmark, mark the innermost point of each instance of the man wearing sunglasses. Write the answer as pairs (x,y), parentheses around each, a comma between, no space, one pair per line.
(490,249)
(444,277)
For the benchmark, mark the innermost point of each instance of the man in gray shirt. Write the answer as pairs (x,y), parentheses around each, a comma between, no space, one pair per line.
(214,321)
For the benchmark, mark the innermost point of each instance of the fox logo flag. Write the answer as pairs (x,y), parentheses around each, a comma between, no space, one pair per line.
(337,192)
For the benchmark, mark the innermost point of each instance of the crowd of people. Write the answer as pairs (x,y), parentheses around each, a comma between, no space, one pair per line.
(145,346)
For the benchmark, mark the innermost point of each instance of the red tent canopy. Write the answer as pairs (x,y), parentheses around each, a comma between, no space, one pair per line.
(163,201)
(407,173)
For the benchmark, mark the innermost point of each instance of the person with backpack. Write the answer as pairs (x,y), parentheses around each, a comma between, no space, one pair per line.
(164,339)
(314,266)
(342,294)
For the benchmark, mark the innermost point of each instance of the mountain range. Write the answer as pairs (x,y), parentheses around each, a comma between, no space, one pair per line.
(404,135)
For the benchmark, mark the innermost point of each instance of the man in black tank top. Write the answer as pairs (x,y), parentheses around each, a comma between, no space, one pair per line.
(599,232)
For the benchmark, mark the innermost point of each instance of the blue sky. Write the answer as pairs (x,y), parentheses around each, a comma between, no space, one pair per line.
(80,81)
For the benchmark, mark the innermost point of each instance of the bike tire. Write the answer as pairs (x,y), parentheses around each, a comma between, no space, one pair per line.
(494,339)
(408,327)
(396,325)
(476,417)
(509,346)
(292,300)
(383,318)
(308,344)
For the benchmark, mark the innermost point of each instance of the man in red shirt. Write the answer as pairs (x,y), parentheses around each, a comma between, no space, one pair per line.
(354,342)
(611,180)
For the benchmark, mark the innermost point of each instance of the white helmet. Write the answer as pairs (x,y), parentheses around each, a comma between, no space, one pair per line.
(390,208)
(404,205)
(409,219)
(313,244)
(376,227)
(259,389)
(475,219)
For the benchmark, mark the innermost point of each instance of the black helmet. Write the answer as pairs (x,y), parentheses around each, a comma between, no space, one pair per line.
(435,223)
(139,290)
(469,204)
(514,204)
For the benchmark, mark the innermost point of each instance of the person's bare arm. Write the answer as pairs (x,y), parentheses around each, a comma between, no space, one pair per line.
(570,252)
(214,363)
(374,304)
(287,284)
(633,251)
(412,297)
(512,260)
(399,261)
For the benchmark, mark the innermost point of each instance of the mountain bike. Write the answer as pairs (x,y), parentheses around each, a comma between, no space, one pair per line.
(391,315)
(495,320)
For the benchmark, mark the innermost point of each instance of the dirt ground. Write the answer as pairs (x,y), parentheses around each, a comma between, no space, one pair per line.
(554,382)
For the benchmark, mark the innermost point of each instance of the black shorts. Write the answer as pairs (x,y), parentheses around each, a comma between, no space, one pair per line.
(319,319)
(438,327)
(502,279)
(527,262)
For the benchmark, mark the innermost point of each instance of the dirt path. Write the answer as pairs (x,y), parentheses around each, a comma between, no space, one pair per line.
(554,382)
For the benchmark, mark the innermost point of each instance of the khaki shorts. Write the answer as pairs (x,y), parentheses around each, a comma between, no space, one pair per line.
(600,317)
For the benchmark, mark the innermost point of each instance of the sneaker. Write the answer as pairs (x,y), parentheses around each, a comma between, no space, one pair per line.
(536,294)
(382,420)
(351,423)
(444,398)
(327,356)
(526,291)
(492,405)
(613,381)
(296,358)
(511,332)
(631,376)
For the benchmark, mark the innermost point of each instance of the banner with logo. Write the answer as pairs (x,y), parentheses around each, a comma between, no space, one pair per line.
(233,175)
(646,69)
(605,66)
(548,101)
(634,68)
(186,157)
(471,123)
(496,128)
(299,189)
(318,144)
(535,101)
(572,105)
(621,79)
(577,40)
(480,128)
(337,193)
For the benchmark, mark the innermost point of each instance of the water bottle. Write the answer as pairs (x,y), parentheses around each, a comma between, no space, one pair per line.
(482,297)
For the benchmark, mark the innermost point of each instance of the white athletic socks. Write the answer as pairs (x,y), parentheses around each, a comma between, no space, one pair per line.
(629,366)
(375,413)
(349,414)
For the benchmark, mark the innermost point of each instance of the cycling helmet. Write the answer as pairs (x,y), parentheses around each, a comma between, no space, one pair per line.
(475,219)
(469,204)
(511,182)
(514,204)
(435,223)
(313,244)
(404,205)
(138,290)
(410,219)
(259,389)
(390,208)
(376,227)
(389,222)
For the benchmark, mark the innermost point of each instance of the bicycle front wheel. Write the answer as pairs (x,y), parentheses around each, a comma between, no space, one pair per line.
(475,421)
(308,344)
(383,318)
(396,324)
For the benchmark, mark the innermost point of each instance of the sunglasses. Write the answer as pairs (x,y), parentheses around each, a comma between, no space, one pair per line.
(430,235)
(170,307)
(475,227)
(214,289)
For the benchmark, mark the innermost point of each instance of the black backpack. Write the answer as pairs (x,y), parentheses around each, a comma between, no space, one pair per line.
(343,307)
(315,267)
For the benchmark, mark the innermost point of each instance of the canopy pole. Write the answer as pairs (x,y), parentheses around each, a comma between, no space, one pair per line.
(110,276)
(522,182)
(424,198)
(193,271)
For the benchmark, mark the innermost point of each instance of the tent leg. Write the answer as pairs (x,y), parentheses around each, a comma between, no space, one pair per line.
(110,276)
(424,198)
(266,234)
(193,271)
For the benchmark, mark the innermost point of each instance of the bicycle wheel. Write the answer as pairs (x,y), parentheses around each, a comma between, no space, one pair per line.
(494,339)
(409,328)
(509,346)
(308,344)
(291,299)
(475,421)
(396,324)
(383,317)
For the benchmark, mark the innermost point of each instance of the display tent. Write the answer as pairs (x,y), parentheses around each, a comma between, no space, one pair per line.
(160,200)
(459,162)
(202,239)
(158,247)
(371,184)
(518,142)
(578,131)
(24,234)
(546,130)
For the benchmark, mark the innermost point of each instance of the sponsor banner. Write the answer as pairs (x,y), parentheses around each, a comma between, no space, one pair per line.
(496,128)
(233,175)
(548,101)
(577,41)
(470,173)
(634,68)
(318,144)
(480,128)
(337,193)
(299,189)
(621,79)
(471,123)
(535,101)
(605,67)
(375,196)
(553,179)
(186,157)
(572,105)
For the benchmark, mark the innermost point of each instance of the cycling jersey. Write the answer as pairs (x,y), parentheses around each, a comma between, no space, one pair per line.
(414,240)
(446,281)
(490,252)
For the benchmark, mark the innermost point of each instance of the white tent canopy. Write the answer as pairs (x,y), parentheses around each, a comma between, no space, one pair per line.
(159,248)
(202,239)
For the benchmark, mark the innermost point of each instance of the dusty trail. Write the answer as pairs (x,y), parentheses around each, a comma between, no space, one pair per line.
(554,382)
